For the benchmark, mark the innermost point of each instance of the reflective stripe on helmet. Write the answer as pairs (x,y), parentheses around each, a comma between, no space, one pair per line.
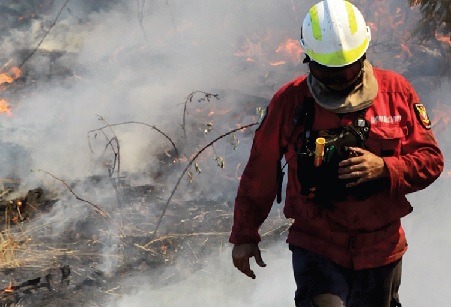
(316,28)
(339,58)
(351,17)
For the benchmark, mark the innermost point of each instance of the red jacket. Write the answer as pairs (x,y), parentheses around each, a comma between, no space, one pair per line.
(355,234)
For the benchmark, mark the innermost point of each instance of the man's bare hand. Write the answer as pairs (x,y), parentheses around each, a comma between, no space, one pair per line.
(241,254)
(363,166)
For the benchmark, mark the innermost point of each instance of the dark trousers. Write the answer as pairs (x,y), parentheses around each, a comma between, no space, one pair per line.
(322,283)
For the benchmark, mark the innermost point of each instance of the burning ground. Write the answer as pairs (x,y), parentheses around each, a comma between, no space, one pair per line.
(129,116)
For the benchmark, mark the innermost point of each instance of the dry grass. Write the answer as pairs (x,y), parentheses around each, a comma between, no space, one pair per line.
(8,248)
(10,244)
(16,244)
(17,249)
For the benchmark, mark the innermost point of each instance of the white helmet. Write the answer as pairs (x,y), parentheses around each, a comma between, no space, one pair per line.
(334,33)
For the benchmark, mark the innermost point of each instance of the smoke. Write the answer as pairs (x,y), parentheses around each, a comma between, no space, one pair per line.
(425,272)
(126,62)
(109,63)
(218,284)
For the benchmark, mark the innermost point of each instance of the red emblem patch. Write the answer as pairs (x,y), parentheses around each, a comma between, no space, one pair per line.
(422,115)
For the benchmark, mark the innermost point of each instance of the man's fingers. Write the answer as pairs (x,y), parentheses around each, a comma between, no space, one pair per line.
(241,255)
(351,169)
(249,273)
(258,258)
(351,161)
(246,269)
(358,150)
(243,266)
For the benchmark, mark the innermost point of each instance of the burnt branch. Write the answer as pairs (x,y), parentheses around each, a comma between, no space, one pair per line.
(138,123)
(97,209)
(219,160)
(45,35)
(189,98)
(189,166)
(117,154)
(108,144)
(116,157)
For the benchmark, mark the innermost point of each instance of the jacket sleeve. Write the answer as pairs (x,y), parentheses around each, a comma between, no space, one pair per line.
(421,161)
(258,184)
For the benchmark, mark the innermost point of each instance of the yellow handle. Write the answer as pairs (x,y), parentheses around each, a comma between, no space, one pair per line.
(319,151)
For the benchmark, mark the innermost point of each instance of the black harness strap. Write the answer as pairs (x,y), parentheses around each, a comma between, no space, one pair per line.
(304,115)
(308,118)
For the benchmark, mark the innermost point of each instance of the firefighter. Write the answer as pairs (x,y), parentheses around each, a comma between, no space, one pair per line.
(347,195)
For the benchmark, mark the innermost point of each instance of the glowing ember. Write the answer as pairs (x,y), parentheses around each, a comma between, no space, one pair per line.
(406,53)
(250,50)
(277,63)
(4,107)
(9,289)
(443,39)
(9,77)
(6,78)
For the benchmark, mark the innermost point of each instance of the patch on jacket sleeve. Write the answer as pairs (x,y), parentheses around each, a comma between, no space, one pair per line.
(422,115)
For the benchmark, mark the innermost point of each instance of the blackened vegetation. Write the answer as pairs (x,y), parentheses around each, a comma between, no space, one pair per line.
(146,228)
(70,275)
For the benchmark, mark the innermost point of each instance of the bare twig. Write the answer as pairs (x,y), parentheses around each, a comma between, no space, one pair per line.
(97,209)
(116,154)
(189,98)
(138,123)
(47,33)
(189,165)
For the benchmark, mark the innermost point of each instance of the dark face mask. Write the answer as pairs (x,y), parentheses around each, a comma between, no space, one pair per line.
(340,80)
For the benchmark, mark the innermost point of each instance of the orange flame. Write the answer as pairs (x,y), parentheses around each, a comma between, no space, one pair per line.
(4,107)
(443,39)
(250,50)
(291,48)
(9,289)
(406,53)
(277,63)
(253,50)
(9,77)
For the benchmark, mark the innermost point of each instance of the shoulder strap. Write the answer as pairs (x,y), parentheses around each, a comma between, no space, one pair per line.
(308,113)
(304,114)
